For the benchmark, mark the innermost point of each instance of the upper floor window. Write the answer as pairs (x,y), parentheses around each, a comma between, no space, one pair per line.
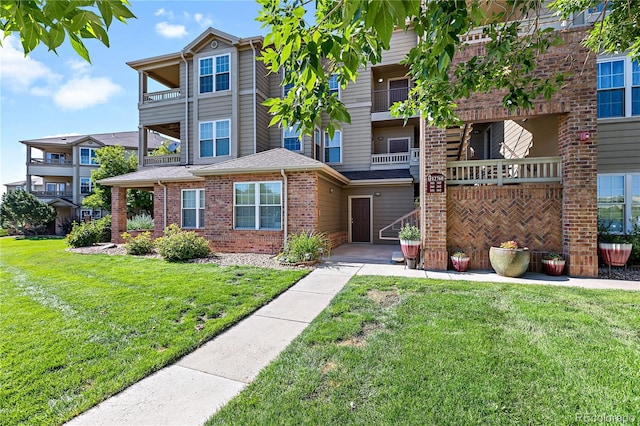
(285,87)
(333,147)
(215,138)
(257,205)
(318,144)
(85,185)
(334,86)
(193,208)
(619,201)
(88,156)
(291,138)
(618,88)
(54,158)
(214,73)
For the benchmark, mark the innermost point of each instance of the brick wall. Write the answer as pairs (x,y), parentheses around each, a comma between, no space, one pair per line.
(118,214)
(479,217)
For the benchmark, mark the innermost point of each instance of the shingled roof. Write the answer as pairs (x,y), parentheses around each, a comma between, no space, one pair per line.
(272,160)
(150,175)
(125,139)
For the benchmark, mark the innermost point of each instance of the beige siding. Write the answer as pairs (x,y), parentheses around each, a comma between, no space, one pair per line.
(392,203)
(245,69)
(545,136)
(329,202)
(263,78)
(263,119)
(206,48)
(619,145)
(214,107)
(360,91)
(382,135)
(162,112)
(245,136)
(401,43)
(356,141)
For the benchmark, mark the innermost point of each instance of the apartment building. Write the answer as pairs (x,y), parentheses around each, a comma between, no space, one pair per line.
(526,175)
(59,169)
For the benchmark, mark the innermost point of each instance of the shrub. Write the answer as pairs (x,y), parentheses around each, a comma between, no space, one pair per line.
(142,221)
(178,245)
(3,232)
(305,247)
(89,233)
(409,233)
(142,244)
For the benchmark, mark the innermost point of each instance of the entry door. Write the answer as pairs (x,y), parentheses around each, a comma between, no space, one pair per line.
(361,220)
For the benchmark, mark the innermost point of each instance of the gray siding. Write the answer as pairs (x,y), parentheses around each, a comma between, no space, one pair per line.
(392,203)
(356,141)
(619,145)
(263,78)
(263,119)
(329,203)
(245,136)
(245,69)
(162,112)
(360,90)
(401,43)
(382,135)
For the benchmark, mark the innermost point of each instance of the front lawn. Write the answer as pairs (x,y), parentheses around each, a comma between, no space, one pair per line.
(78,328)
(427,352)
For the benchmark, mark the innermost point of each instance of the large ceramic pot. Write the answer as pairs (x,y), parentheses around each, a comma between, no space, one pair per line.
(553,267)
(509,262)
(460,264)
(411,252)
(615,254)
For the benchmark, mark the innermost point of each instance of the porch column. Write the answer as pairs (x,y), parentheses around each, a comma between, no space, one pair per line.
(118,213)
(159,221)
(433,206)
(579,181)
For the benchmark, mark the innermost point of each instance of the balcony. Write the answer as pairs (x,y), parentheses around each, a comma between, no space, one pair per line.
(165,95)
(52,194)
(162,160)
(50,167)
(476,36)
(395,160)
(500,172)
(51,161)
(383,99)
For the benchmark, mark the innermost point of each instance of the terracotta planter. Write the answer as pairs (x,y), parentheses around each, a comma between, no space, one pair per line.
(509,262)
(460,264)
(615,254)
(553,267)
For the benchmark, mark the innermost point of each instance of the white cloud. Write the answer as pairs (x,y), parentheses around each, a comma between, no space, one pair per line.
(168,30)
(202,20)
(84,92)
(21,72)
(80,67)
(163,12)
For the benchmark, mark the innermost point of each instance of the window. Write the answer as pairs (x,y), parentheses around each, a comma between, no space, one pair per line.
(88,156)
(85,185)
(398,145)
(333,147)
(214,73)
(334,87)
(258,205)
(619,201)
(318,144)
(286,87)
(291,138)
(96,214)
(215,138)
(618,88)
(193,208)
(55,188)
(54,158)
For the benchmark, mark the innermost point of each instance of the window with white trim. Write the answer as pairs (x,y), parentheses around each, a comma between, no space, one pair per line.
(318,144)
(334,86)
(398,145)
(193,208)
(333,147)
(85,185)
(619,201)
(618,88)
(88,156)
(291,138)
(215,138)
(257,205)
(214,73)
(54,158)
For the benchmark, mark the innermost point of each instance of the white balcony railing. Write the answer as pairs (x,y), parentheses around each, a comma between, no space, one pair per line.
(526,26)
(415,156)
(499,172)
(162,160)
(165,95)
(51,161)
(386,159)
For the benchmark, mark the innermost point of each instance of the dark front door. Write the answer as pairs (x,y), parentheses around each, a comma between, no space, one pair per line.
(361,220)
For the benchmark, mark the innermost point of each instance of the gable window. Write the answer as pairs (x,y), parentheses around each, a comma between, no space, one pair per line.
(88,156)
(291,138)
(193,208)
(333,147)
(215,138)
(85,185)
(334,87)
(257,205)
(214,73)
(619,201)
(618,88)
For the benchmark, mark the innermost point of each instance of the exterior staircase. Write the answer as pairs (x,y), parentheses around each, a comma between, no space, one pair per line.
(458,142)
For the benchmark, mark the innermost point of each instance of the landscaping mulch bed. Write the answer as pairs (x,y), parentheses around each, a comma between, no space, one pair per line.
(618,273)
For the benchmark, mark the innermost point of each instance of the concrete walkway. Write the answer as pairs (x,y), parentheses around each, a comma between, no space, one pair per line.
(194,388)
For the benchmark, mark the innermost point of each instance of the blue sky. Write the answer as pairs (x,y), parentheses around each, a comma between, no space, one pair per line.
(47,94)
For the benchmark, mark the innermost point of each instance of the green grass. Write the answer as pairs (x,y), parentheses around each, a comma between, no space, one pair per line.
(427,352)
(78,328)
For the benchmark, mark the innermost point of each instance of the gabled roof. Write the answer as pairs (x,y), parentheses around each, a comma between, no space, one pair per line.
(61,202)
(125,139)
(229,38)
(151,175)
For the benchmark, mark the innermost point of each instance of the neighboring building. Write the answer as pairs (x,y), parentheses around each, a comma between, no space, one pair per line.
(525,175)
(59,169)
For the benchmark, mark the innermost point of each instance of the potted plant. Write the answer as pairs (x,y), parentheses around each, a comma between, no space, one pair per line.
(553,264)
(460,261)
(509,260)
(410,243)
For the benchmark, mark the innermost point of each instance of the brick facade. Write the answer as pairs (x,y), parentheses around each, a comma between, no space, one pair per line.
(575,105)
(118,214)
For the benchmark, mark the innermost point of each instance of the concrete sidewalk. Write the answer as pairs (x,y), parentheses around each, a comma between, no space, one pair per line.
(194,388)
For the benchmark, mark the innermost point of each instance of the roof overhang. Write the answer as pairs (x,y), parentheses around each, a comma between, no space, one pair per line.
(378,182)
(61,202)
(254,170)
(146,183)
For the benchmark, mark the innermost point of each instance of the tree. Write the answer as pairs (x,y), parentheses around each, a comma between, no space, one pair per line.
(50,22)
(349,34)
(115,161)
(163,149)
(23,212)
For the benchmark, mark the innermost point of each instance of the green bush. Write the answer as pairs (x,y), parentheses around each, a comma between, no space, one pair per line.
(140,222)
(307,246)
(3,232)
(142,244)
(89,233)
(178,245)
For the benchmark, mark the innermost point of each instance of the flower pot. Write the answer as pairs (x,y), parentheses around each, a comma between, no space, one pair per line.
(615,254)
(553,267)
(410,250)
(509,262)
(460,264)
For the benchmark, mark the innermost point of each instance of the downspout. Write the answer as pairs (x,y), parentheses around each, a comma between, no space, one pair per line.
(255,134)
(186,111)
(164,205)
(285,202)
